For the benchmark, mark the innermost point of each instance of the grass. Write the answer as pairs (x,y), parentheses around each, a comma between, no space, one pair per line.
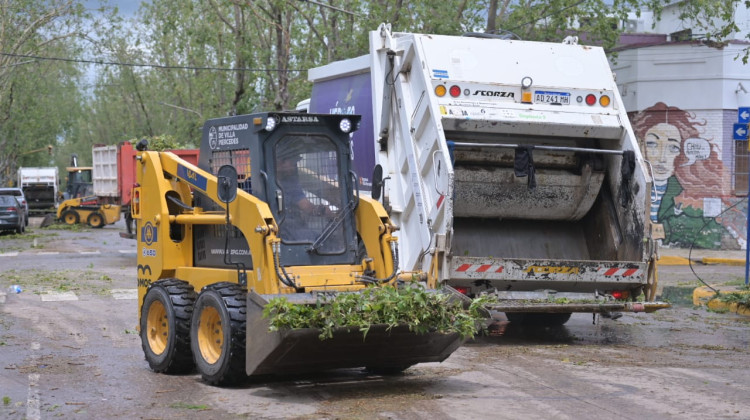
(740,298)
(9,249)
(40,281)
(737,282)
(187,406)
(78,227)
(29,235)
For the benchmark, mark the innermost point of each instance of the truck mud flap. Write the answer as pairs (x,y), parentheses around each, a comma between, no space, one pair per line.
(301,350)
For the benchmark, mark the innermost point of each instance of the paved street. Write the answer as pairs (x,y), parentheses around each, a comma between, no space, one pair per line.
(69,349)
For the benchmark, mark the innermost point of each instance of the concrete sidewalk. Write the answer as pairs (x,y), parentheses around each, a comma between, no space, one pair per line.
(681,256)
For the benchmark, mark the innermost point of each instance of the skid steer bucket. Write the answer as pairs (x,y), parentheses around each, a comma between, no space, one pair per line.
(301,350)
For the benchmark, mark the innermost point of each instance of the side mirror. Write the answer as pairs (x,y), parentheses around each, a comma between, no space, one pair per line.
(227,188)
(377,182)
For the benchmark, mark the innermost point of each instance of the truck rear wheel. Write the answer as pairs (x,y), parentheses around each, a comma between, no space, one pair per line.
(217,333)
(95,220)
(70,217)
(538,318)
(165,326)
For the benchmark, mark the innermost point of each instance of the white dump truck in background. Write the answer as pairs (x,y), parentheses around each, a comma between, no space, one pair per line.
(39,185)
(510,167)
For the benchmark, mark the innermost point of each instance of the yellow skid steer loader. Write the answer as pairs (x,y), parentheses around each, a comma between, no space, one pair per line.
(272,209)
(88,210)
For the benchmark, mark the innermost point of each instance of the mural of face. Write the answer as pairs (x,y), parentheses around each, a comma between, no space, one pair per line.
(663,145)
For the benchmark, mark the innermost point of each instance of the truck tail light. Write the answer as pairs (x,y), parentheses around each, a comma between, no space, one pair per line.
(440,91)
(590,99)
(620,294)
(604,101)
(455,91)
(463,290)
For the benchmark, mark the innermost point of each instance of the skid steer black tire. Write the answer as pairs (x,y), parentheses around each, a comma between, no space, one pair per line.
(70,217)
(217,333)
(538,319)
(96,220)
(165,326)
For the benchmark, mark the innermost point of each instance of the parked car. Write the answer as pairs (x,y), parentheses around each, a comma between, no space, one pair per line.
(17,192)
(12,214)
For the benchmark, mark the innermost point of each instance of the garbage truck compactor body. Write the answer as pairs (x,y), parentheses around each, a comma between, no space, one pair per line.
(209,261)
(510,167)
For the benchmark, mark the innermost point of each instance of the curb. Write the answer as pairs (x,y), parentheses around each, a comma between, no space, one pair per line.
(703,296)
(674,260)
(724,261)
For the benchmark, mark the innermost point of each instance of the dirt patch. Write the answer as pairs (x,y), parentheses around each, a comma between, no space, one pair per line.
(50,364)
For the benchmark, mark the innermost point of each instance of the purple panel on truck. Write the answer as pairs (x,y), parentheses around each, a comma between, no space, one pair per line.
(350,95)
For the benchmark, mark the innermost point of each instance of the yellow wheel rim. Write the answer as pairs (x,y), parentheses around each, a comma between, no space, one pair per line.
(210,335)
(96,220)
(70,219)
(157,326)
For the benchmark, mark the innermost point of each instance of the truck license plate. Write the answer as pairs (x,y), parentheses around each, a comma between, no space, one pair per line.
(547,97)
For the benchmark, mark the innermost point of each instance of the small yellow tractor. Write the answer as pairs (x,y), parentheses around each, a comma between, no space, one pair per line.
(87,210)
(272,209)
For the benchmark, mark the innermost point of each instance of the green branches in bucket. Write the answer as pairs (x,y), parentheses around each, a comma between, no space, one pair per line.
(423,311)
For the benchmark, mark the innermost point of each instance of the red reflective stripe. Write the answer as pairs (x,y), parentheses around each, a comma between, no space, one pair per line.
(499,270)
(630,272)
(440,201)
(483,268)
(464,267)
(611,271)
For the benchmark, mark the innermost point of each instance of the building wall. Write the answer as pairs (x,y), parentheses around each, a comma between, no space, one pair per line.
(682,99)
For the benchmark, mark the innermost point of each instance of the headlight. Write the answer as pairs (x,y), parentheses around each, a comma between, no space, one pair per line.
(270,123)
(345,125)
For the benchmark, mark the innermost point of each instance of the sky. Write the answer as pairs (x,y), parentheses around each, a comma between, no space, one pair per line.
(126,8)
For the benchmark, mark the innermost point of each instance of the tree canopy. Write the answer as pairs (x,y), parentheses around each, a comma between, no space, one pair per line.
(72,77)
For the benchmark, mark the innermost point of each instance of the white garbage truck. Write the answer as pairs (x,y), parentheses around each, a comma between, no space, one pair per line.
(39,185)
(510,167)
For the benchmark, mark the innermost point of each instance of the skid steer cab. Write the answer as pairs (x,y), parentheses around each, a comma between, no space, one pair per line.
(272,209)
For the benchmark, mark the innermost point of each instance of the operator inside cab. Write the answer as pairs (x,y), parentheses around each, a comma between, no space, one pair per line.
(305,173)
